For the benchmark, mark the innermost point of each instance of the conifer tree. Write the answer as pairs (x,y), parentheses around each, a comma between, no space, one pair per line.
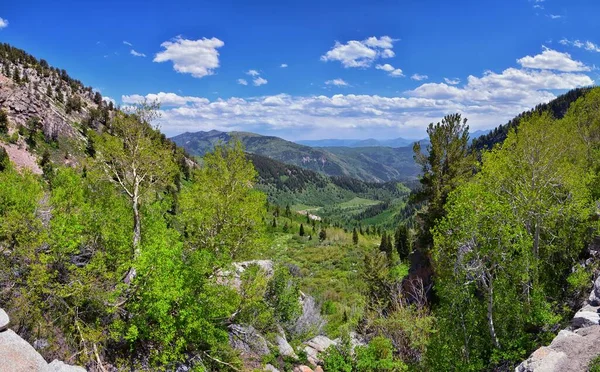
(355,236)
(301,232)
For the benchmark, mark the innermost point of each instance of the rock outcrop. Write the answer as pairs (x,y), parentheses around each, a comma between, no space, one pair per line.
(17,355)
(573,348)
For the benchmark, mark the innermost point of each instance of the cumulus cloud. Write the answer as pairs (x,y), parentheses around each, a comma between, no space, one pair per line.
(165,99)
(587,45)
(337,82)
(127,43)
(487,100)
(259,81)
(284,65)
(395,72)
(453,81)
(3,23)
(419,77)
(361,53)
(196,57)
(137,54)
(252,73)
(242,82)
(552,60)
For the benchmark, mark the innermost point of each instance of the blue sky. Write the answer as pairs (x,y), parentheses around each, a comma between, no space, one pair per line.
(317,69)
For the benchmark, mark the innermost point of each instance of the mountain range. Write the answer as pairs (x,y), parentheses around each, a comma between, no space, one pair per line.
(373,164)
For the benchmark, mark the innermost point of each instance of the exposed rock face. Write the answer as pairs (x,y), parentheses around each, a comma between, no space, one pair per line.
(16,355)
(233,278)
(248,341)
(315,346)
(572,349)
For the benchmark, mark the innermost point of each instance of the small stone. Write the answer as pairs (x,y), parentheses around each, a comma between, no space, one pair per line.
(302,369)
(4,320)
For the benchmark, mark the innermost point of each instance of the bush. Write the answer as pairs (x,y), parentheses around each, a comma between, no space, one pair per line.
(283,294)
(594,365)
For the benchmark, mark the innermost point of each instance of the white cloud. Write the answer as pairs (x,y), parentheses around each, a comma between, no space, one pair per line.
(242,82)
(360,53)
(259,81)
(395,72)
(165,99)
(554,16)
(538,6)
(108,100)
(196,57)
(284,65)
(127,43)
(252,73)
(137,54)
(454,81)
(337,82)
(419,77)
(3,23)
(587,45)
(487,100)
(553,60)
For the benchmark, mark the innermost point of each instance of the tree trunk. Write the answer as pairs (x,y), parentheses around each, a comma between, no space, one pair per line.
(490,314)
(137,233)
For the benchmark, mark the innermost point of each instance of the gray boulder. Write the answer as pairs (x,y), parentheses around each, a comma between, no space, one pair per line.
(594,298)
(16,355)
(4,320)
(58,366)
(248,341)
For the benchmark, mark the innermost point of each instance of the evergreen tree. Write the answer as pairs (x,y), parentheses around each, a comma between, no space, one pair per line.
(446,164)
(288,211)
(4,159)
(274,224)
(286,227)
(301,232)
(401,241)
(354,236)
(3,122)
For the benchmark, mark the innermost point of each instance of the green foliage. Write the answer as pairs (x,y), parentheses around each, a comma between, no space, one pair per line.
(3,122)
(594,365)
(445,165)
(221,212)
(506,247)
(283,294)
(4,159)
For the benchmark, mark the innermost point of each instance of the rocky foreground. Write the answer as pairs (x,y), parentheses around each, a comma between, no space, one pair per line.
(16,355)
(573,348)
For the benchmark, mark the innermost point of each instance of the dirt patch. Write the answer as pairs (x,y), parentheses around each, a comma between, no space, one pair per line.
(21,158)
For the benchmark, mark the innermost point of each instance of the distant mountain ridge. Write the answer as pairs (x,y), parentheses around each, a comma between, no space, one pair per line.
(373,164)
(369,142)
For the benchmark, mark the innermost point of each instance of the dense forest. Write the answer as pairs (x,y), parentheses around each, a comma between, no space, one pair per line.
(125,256)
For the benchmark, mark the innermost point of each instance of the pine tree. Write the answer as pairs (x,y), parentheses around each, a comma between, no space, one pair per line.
(286,227)
(288,211)
(301,233)
(355,236)
(308,218)
(3,121)
(401,242)
(274,224)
